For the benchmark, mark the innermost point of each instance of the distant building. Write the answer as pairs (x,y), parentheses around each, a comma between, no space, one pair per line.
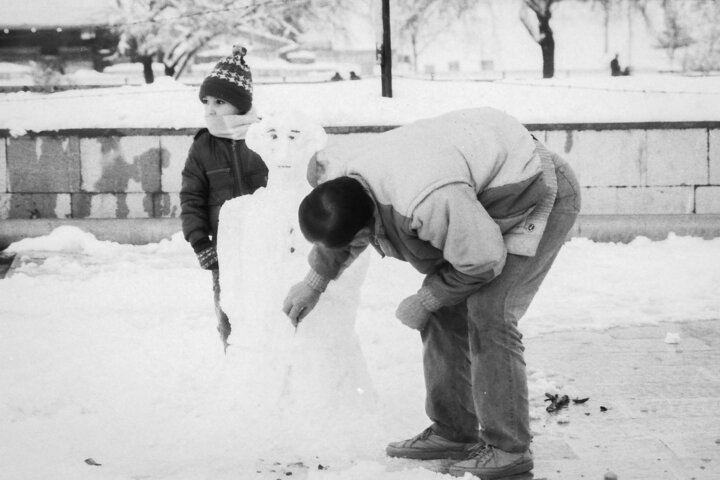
(70,34)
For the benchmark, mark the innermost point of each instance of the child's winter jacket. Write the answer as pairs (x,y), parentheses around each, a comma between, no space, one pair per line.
(216,170)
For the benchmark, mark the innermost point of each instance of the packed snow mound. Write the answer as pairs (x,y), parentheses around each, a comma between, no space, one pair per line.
(310,385)
(66,239)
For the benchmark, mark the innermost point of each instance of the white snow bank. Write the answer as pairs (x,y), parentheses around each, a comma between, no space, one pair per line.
(170,104)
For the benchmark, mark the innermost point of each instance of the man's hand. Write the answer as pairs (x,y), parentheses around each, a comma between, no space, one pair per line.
(412,313)
(415,310)
(300,301)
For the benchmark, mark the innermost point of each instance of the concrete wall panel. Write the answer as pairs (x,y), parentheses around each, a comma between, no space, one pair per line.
(35,205)
(112,205)
(43,164)
(677,157)
(661,171)
(121,164)
(4,206)
(167,205)
(3,167)
(714,157)
(707,200)
(637,200)
(603,158)
(174,150)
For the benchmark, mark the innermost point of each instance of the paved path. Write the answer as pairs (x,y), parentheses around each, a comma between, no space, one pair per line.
(663,403)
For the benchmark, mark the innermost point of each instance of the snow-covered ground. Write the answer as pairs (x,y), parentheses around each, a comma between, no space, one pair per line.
(110,353)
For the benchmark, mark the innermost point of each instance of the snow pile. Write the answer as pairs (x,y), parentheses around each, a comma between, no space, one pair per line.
(301,383)
(642,282)
(169,104)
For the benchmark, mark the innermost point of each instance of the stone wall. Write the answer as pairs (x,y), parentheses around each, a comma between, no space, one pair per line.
(104,176)
(644,171)
(625,170)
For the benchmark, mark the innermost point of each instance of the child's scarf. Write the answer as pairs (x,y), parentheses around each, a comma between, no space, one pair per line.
(234,127)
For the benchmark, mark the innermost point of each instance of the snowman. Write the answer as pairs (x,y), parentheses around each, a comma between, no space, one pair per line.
(314,376)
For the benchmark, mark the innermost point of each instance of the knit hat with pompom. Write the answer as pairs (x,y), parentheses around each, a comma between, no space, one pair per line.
(231,81)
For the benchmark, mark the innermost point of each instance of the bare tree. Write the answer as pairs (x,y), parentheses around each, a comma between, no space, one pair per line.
(420,22)
(173,31)
(702,18)
(675,35)
(540,30)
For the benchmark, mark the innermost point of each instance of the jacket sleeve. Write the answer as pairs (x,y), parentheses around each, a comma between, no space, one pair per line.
(254,170)
(329,263)
(455,222)
(194,199)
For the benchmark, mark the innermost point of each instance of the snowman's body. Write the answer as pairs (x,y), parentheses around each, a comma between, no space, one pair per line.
(318,370)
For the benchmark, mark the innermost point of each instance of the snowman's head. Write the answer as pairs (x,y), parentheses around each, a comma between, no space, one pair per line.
(286,140)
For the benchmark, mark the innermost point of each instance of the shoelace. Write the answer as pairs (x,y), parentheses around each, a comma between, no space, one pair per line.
(425,434)
(480,452)
(422,435)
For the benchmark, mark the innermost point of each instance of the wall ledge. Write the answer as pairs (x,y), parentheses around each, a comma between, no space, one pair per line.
(601,228)
(353,129)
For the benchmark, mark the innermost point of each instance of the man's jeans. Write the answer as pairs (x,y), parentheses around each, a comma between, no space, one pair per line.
(473,351)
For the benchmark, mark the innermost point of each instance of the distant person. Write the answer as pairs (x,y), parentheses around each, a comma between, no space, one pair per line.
(615,69)
(219,165)
(480,207)
(337,77)
(354,76)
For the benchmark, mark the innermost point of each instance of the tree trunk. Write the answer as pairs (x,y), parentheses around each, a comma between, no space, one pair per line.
(147,68)
(547,45)
(413,42)
(606,6)
(186,60)
(386,57)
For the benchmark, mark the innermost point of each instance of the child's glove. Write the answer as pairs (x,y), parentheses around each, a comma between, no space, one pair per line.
(206,254)
(415,310)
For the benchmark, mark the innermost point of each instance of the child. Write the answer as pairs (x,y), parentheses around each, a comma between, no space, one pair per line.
(219,165)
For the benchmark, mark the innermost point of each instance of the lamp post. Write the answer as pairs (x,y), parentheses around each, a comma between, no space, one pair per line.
(386,52)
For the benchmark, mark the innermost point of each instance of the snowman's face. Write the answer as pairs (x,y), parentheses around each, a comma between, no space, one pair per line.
(286,140)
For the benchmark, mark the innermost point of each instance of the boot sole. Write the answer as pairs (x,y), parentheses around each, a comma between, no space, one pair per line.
(426,454)
(511,470)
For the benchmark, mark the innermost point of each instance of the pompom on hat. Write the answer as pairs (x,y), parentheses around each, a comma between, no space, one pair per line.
(231,81)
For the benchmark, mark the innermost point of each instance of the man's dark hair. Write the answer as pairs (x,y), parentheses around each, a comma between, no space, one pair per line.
(335,211)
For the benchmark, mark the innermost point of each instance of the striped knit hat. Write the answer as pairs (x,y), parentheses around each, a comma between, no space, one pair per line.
(231,81)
